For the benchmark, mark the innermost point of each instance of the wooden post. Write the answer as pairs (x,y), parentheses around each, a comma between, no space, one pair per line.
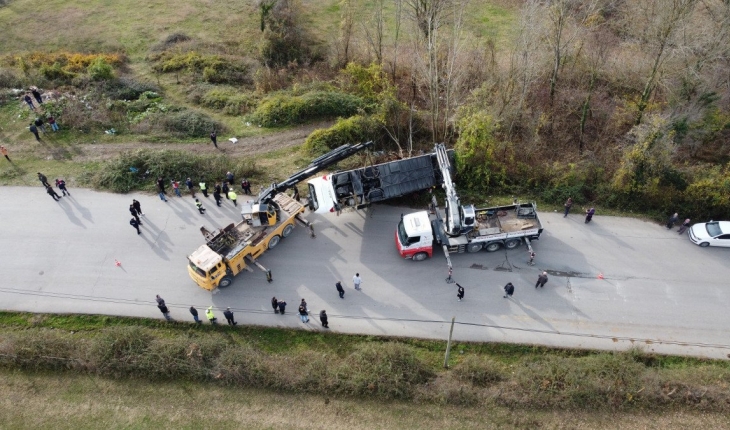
(448,344)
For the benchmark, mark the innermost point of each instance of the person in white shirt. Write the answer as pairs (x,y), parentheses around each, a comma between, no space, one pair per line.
(357,281)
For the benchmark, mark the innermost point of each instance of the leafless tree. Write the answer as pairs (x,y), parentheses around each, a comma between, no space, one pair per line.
(373,30)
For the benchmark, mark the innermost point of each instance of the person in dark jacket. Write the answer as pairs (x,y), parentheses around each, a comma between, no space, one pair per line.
(61,184)
(217,195)
(246,186)
(39,123)
(282,306)
(541,280)
(159,300)
(568,205)
(214,138)
(225,189)
(303,314)
(165,311)
(340,290)
(684,227)
(133,222)
(135,214)
(323,319)
(230,178)
(37,95)
(194,312)
(189,184)
(137,206)
(33,129)
(672,219)
(229,316)
(51,192)
(29,100)
(43,179)
(589,215)
(275,305)
(509,289)
(460,292)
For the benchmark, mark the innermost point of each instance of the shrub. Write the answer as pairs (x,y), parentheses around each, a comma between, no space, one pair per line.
(478,371)
(127,88)
(115,175)
(8,79)
(384,370)
(228,100)
(351,130)
(100,70)
(285,37)
(212,68)
(281,110)
(189,123)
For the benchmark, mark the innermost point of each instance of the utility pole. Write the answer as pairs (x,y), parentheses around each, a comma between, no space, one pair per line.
(448,344)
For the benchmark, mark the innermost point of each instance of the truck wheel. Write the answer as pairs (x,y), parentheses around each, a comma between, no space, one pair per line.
(274,241)
(512,243)
(226,281)
(492,247)
(474,247)
(287,230)
(704,244)
(420,256)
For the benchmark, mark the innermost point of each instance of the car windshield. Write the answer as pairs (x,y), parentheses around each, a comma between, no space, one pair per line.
(713,229)
(197,269)
(313,198)
(402,235)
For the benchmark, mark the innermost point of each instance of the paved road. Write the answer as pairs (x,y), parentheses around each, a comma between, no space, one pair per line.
(659,291)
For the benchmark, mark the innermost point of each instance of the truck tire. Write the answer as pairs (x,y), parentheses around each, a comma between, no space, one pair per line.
(420,256)
(512,243)
(494,246)
(225,281)
(287,230)
(474,247)
(274,241)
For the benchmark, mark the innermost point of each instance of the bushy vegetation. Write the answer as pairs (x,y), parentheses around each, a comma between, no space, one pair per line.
(63,67)
(284,109)
(215,69)
(358,128)
(117,174)
(363,367)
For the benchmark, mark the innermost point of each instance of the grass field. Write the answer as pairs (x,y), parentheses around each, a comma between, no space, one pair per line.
(43,400)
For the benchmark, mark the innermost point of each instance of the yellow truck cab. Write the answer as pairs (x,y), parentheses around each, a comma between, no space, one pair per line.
(224,255)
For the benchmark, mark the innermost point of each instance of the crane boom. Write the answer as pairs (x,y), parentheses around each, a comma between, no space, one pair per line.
(317,165)
(453,206)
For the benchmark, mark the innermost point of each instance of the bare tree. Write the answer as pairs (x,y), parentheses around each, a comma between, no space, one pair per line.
(347,24)
(396,35)
(374,31)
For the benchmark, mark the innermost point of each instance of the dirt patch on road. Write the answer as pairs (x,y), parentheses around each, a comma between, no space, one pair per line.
(245,146)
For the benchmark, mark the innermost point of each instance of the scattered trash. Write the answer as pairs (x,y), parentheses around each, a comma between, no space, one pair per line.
(110,131)
(233,140)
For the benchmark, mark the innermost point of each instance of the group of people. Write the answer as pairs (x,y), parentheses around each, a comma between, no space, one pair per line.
(673,219)
(209,313)
(221,189)
(39,124)
(569,204)
(60,183)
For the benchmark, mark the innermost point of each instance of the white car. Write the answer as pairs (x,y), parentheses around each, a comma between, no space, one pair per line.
(713,233)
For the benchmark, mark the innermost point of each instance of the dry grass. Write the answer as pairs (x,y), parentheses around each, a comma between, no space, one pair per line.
(84,402)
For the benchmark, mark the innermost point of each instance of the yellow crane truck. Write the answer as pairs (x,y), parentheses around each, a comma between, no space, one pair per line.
(266,220)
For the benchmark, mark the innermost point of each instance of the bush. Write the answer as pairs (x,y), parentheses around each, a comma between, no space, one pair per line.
(116,176)
(189,123)
(8,79)
(100,70)
(280,110)
(351,130)
(127,88)
(212,68)
(384,370)
(478,371)
(228,100)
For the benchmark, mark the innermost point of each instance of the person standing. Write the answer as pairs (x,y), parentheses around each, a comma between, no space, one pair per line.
(282,306)
(323,318)
(137,206)
(211,317)
(531,254)
(43,179)
(29,101)
(684,227)
(541,280)
(589,214)
(214,138)
(165,311)
(161,193)
(135,214)
(203,188)
(176,188)
(229,316)
(33,129)
(4,151)
(201,209)
(217,195)
(133,222)
(225,190)
(509,289)
(160,301)
(672,219)
(246,186)
(303,314)
(357,281)
(54,124)
(275,305)
(161,184)
(61,184)
(194,312)
(340,290)
(36,95)
(51,192)
(233,196)
(189,184)
(230,178)
(39,123)
(460,292)
(568,205)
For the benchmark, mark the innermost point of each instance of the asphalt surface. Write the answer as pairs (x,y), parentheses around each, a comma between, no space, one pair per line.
(659,291)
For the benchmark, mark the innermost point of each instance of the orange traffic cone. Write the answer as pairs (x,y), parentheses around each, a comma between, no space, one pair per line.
(600,276)
(117,263)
